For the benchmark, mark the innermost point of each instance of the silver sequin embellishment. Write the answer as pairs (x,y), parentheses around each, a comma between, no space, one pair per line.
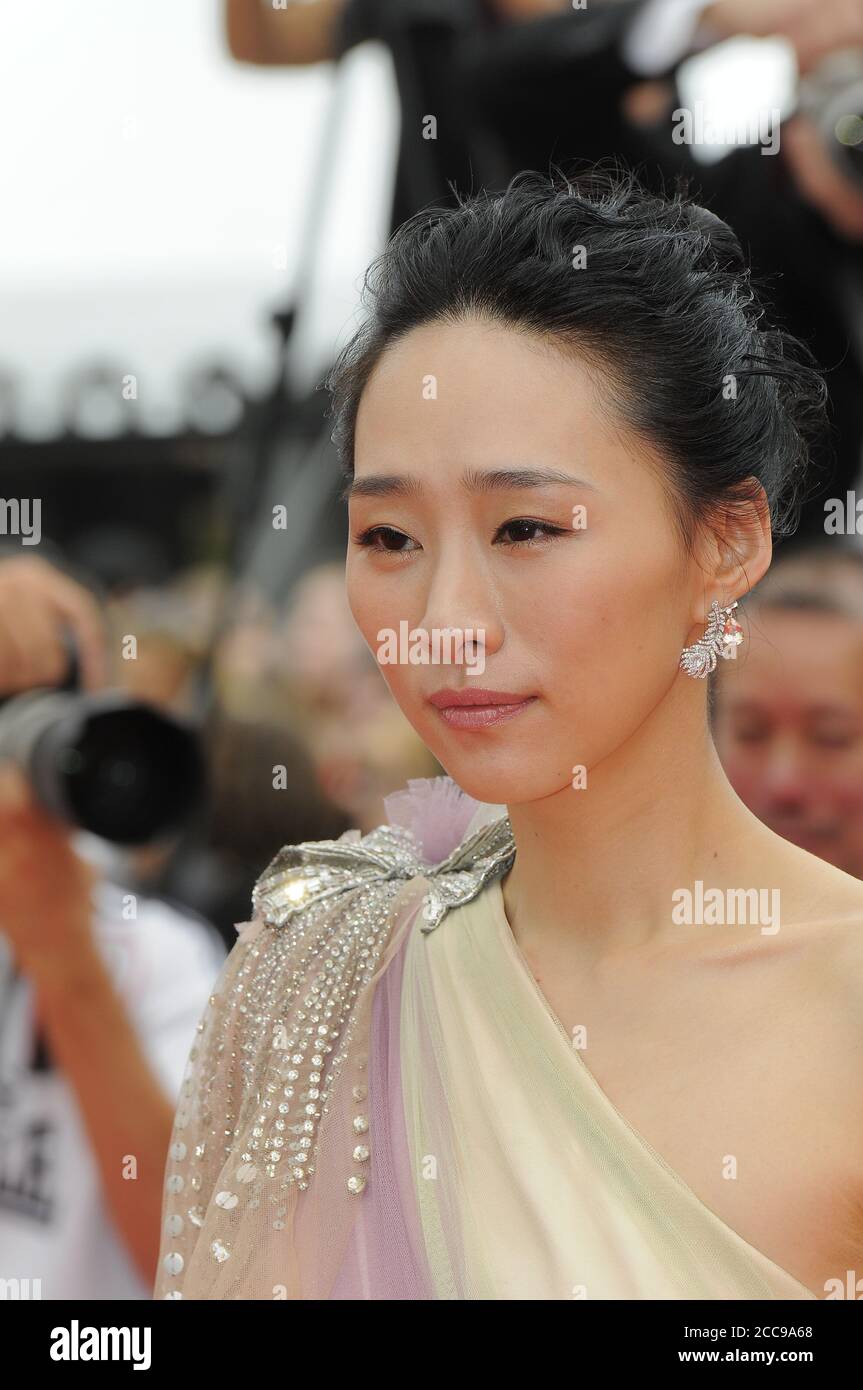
(275,1038)
(317,870)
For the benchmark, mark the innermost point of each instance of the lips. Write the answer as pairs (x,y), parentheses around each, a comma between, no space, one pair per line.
(477,708)
(475,695)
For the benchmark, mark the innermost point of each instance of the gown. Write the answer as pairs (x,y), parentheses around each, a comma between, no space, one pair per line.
(380,1103)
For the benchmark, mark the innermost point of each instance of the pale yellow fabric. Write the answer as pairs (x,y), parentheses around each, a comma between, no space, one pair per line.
(530,1183)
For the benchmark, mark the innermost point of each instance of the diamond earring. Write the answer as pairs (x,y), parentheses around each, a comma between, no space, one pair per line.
(722,637)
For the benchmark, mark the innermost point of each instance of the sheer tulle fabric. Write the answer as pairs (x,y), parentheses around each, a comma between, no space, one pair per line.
(286,1245)
(531,1184)
(498,1168)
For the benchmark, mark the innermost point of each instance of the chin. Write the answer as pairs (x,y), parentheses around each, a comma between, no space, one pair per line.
(499,768)
(502,785)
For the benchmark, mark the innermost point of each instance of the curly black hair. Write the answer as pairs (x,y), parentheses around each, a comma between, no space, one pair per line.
(663,302)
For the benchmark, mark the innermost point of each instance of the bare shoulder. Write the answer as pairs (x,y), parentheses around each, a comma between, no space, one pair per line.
(832,963)
(822,945)
(821,926)
(817,898)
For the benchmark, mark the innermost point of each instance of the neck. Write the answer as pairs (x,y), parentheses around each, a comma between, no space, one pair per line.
(599,865)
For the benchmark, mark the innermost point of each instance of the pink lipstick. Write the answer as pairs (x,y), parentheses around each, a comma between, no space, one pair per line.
(475,708)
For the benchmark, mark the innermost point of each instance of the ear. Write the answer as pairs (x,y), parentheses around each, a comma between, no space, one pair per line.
(737,544)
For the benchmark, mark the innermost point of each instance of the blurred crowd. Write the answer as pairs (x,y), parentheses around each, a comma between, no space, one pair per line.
(108,950)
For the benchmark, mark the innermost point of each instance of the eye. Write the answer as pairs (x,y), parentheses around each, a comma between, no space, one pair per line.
(832,738)
(385,539)
(524,531)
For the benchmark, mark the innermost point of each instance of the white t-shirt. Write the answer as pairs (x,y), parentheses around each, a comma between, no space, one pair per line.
(55,1226)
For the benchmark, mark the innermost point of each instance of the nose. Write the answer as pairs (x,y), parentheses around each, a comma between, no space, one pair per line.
(787,781)
(461,596)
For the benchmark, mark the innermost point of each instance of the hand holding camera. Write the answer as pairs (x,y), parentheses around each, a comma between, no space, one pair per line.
(120,769)
(38,605)
(815,30)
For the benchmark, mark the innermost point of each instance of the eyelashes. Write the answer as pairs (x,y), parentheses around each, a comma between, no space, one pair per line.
(381,538)
(374,538)
(546,528)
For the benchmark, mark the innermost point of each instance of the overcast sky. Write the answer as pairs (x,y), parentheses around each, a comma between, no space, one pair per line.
(154,192)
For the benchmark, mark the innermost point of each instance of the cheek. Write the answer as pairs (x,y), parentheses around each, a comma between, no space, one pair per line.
(843,784)
(742,767)
(608,634)
(377,604)
(834,784)
(367,599)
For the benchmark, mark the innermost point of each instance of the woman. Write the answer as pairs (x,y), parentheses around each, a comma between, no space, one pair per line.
(557,1060)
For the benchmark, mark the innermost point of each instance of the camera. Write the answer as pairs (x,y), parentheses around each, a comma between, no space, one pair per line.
(119,768)
(833,98)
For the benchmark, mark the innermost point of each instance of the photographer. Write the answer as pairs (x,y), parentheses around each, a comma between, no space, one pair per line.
(422,37)
(603,84)
(100,993)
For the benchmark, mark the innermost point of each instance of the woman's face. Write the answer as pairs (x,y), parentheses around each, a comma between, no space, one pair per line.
(494,495)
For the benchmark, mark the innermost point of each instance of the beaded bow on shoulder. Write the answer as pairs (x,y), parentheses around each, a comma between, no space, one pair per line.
(317,870)
(285,1040)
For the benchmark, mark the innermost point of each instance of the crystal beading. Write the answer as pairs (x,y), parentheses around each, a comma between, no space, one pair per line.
(279,1027)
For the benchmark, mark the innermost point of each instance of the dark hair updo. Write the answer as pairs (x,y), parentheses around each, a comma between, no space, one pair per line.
(665,306)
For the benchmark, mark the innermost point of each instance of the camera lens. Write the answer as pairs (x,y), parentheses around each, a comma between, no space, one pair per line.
(127,774)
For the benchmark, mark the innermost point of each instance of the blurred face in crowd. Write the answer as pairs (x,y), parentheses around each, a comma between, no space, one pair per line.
(462,516)
(789,730)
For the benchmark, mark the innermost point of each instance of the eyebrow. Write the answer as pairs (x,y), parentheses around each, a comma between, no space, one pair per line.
(477,480)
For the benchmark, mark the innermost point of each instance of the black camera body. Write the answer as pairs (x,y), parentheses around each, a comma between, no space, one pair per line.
(118,768)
